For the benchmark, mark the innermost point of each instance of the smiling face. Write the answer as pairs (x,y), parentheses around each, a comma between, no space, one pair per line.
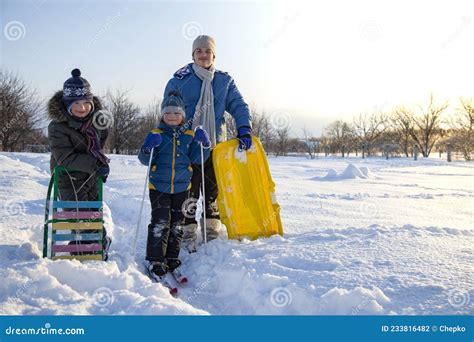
(81,108)
(173,118)
(203,57)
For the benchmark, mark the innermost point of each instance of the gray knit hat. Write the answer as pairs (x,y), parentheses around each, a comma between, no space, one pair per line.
(173,102)
(206,42)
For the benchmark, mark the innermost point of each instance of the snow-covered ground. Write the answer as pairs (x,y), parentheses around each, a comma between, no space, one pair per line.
(361,237)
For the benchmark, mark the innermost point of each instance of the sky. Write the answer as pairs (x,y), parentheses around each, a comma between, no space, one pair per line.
(305,63)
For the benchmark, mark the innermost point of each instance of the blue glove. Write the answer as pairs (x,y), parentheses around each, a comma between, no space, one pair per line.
(201,137)
(152,140)
(245,139)
(103,171)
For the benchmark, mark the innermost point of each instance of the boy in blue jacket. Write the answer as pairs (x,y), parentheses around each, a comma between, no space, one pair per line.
(174,150)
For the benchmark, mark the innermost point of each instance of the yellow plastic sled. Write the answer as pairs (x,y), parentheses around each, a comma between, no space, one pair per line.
(246,200)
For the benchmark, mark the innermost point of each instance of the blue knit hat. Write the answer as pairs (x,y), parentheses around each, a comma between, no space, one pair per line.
(173,102)
(76,88)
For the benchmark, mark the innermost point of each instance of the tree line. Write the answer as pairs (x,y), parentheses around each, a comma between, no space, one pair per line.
(434,126)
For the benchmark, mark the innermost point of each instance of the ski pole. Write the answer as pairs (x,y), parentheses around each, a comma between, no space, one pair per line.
(203,192)
(203,196)
(141,206)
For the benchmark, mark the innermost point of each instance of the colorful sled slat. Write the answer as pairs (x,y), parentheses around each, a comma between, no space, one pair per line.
(57,223)
(77,225)
(78,257)
(78,204)
(77,215)
(77,237)
(89,247)
(246,199)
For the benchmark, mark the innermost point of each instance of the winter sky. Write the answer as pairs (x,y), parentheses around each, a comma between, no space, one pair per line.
(314,61)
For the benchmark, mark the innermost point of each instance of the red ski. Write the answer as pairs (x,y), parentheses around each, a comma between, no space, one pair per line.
(179,277)
(163,280)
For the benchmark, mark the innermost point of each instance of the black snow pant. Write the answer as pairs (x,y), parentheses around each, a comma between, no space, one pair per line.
(166,228)
(210,186)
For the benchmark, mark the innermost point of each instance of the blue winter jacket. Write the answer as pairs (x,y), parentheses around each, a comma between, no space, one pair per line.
(227,97)
(171,163)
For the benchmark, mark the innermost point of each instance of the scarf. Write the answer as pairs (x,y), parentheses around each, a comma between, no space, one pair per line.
(204,113)
(93,141)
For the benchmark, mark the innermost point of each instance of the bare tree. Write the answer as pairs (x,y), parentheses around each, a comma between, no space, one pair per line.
(19,112)
(122,136)
(311,143)
(462,137)
(295,145)
(340,133)
(367,129)
(259,123)
(146,123)
(401,122)
(152,114)
(263,129)
(231,129)
(282,138)
(426,127)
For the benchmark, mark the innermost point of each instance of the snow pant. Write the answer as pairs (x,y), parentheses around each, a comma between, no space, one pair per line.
(88,192)
(210,186)
(166,228)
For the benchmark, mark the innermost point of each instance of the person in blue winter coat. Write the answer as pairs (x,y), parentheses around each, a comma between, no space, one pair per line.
(208,93)
(174,148)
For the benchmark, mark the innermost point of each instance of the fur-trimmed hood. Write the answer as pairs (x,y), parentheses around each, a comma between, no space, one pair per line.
(57,111)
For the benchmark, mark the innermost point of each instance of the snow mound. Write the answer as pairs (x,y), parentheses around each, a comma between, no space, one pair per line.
(359,301)
(351,172)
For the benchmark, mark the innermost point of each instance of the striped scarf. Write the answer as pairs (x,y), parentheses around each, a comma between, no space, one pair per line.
(93,141)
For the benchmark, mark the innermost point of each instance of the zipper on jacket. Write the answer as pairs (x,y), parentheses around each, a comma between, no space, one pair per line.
(173,162)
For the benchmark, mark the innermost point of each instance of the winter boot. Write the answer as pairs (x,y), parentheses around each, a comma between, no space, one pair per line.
(188,241)
(173,267)
(106,246)
(173,264)
(212,229)
(158,269)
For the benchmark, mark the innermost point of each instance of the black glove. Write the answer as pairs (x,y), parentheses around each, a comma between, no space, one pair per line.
(245,139)
(103,171)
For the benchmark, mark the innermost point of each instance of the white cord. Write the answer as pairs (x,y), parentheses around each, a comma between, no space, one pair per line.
(76,232)
(141,206)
